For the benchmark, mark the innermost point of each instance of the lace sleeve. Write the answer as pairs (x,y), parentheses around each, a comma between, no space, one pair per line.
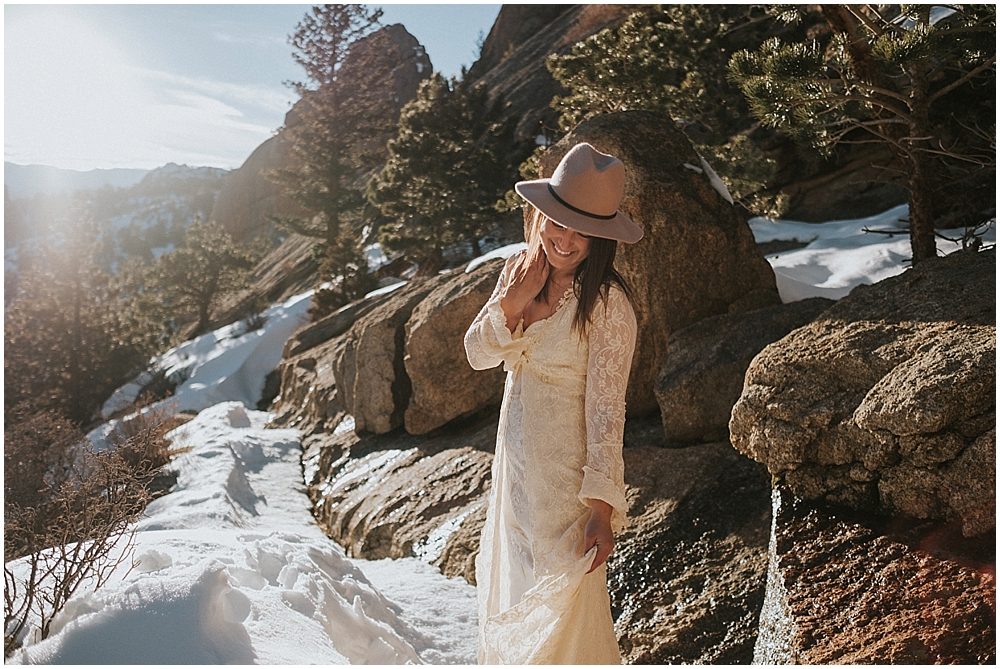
(611,342)
(488,342)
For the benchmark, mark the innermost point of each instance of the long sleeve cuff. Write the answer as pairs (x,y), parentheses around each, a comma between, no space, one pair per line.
(511,345)
(597,485)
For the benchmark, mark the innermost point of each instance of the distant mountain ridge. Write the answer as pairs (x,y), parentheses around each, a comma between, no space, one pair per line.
(151,211)
(30,180)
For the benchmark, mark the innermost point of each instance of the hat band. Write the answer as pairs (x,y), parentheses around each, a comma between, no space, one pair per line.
(566,204)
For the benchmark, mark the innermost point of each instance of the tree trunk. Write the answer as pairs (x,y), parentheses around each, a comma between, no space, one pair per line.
(332,226)
(205,306)
(921,168)
(922,244)
(203,319)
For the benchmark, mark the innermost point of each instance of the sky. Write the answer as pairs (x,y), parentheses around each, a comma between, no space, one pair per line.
(138,86)
(232,568)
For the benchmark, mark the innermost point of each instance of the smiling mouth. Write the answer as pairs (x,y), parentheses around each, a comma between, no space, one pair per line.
(559,251)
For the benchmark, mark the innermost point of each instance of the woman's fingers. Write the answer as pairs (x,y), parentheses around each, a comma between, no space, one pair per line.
(598,533)
(603,551)
(527,277)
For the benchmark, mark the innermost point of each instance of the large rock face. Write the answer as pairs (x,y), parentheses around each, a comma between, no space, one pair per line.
(702,377)
(367,361)
(523,36)
(392,359)
(444,385)
(399,495)
(887,401)
(846,590)
(687,575)
(247,197)
(698,255)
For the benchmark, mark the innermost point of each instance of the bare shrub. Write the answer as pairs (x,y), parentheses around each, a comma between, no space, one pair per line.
(68,512)
(141,436)
(253,312)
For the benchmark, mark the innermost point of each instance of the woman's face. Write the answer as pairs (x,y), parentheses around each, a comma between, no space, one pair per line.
(564,248)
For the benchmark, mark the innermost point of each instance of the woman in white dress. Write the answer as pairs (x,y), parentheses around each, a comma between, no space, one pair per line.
(561,323)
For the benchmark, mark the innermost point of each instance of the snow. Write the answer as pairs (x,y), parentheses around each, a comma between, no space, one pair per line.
(713,178)
(502,252)
(227,364)
(840,255)
(375,256)
(385,290)
(231,567)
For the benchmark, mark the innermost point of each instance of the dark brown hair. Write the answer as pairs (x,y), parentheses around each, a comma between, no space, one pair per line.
(594,276)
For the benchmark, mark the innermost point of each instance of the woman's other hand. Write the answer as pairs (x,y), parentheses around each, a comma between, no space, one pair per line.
(598,532)
(526,279)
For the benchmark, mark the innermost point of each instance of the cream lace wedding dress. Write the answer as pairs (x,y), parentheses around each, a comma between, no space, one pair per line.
(558,445)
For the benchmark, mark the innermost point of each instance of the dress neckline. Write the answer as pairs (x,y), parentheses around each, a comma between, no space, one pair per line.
(559,305)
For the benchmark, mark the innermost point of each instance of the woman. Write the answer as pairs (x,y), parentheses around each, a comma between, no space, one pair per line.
(561,323)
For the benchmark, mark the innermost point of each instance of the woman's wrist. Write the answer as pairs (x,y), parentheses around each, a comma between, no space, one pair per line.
(601,509)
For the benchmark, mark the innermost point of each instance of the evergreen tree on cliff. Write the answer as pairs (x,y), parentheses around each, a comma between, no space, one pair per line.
(207,267)
(337,134)
(914,77)
(447,168)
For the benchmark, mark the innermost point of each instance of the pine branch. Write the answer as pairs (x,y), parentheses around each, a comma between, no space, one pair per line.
(965,158)
(871,25)
(881,91)
(955,84)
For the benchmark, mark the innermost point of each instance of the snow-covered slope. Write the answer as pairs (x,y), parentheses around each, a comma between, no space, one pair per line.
(232,569)
(226,364)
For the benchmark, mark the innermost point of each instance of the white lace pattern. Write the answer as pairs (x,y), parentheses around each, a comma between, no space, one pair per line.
(558,446)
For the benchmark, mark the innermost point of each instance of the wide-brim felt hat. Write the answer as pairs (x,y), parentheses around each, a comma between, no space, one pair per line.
(583,194)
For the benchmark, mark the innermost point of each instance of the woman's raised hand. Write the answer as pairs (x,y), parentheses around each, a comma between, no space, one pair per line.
(526,275)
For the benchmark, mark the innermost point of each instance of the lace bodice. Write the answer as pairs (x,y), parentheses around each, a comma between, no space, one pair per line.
(558,446)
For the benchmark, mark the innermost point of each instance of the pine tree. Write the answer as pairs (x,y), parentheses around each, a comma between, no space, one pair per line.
(673,59)
(337,135)
(207,267)
(448,166)
(71,331)
(905,76)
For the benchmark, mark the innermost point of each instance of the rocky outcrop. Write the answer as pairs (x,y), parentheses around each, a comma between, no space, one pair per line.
(392,359)
(400,495)
(248,197)
(847,590)
(513,56)
(887,401)
(288,270)
(514,25)
(698,256)
(687,575)
(702,377)
(367,361)
(444,385)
